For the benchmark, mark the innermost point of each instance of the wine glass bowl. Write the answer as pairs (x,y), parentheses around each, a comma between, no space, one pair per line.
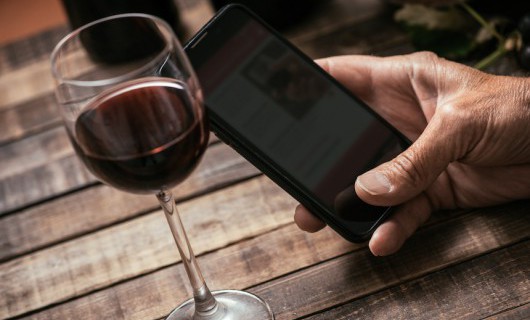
(142,136)
(134,113)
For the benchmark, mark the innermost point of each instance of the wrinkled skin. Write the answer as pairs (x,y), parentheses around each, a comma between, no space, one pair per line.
(470,133)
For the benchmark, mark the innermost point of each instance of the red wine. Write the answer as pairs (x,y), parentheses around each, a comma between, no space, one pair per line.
(142,137)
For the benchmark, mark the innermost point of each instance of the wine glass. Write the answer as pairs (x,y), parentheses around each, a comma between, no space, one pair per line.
(133,110)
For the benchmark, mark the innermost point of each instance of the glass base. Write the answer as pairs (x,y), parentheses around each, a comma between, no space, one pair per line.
(231,305)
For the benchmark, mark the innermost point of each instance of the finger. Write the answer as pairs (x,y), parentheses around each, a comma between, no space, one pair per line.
(306,220)
(369,77)
(391,234)
(415,169)
(401,89)
(354,72)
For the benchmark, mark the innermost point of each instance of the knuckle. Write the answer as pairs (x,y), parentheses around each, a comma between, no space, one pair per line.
(449,112)
(408,170)
(423,62)
(425,56)
(451,118)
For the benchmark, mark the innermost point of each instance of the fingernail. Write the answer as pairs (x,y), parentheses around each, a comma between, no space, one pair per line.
(374,183)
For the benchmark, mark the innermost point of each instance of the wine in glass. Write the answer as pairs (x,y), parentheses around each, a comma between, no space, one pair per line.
(134,113)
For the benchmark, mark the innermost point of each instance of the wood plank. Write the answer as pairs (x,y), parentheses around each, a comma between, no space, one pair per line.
(373,33)
(26,51)
(12,190)
(286,250)
(35,151)
(518,313)
(15,193)
(139,246)
(391,41)
(490,284)
(25,83)
(431,249)
(296,249)
(238,266)
(344,27)
(194,14)
(371,30)
(41,167)
(11,153)
(333,15)
(26,117)
(33,116)
(39,46)
(38,151)
(40,183)
(73,214)
(41,113)
(33,112)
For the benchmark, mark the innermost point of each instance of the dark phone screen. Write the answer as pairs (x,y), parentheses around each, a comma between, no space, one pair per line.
(285,107)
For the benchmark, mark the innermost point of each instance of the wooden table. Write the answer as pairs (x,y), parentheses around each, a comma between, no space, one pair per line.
(72,248)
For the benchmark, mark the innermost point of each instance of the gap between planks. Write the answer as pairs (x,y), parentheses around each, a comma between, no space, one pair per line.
(295,250)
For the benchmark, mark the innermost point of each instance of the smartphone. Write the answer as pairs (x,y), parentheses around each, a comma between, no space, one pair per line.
(289,118)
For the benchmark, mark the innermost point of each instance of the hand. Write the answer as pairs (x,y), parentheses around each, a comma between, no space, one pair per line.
(471,134)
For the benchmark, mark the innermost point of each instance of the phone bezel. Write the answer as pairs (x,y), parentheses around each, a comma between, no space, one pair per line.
(262,161)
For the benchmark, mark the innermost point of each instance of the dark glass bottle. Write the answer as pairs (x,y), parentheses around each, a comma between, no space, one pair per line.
(126,40)
(81,12)
(280,14)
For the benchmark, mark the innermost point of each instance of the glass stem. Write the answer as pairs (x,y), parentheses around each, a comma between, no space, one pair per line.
(204,300)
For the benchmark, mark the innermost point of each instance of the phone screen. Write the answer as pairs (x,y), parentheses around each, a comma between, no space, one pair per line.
(288,112)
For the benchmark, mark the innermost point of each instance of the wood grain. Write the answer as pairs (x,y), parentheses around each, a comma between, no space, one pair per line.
(40,167)
(140,246)
(25,83)
(24,110)
(26,51)
(359,273)
(517,313)
(20,174)
(99,206)
(332,16)
(238,266)
(35,79)
(286,250)
(71,248)
(374,33)
(35,111)
(31,117)
(491,284)
(40,183)
(35,151)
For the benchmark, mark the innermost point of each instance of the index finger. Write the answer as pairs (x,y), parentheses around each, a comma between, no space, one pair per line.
(306,220)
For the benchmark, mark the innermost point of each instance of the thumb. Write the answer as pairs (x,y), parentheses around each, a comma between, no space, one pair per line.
(411,172)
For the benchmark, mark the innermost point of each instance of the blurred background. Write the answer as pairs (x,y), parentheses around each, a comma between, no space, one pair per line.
(22,18)
(459,30)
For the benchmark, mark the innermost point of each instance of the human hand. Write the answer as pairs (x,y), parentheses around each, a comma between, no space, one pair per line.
(471,134)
